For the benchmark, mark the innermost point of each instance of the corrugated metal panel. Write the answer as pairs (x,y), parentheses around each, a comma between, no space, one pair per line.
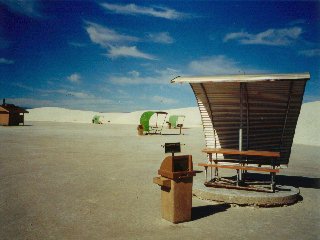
(270,111)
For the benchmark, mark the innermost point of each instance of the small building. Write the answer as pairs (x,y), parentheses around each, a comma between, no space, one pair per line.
(11,115)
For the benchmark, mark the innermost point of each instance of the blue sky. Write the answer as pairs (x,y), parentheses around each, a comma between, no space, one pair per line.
(121,55)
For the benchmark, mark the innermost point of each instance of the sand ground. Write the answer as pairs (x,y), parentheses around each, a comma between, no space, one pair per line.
(84,181)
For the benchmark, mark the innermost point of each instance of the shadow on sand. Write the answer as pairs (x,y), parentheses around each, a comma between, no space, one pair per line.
(12,126)
(205,211)
(294,181)
(173,134)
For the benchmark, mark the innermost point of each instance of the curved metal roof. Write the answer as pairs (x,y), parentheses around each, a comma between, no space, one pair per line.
(265,108)
(241,78)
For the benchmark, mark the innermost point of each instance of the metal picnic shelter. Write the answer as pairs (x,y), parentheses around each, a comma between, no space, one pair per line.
(248,120)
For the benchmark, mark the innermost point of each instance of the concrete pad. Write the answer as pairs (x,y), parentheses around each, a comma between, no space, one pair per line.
(284,195)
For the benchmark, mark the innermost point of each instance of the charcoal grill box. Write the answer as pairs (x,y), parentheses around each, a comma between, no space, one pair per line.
(176,178)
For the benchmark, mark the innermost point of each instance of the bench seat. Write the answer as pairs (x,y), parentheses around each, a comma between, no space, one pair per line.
(240,167)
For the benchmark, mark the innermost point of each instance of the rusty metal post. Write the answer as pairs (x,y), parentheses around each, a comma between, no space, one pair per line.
(239,173)
(210,160)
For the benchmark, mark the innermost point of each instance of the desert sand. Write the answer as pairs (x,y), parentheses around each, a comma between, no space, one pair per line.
(62,177)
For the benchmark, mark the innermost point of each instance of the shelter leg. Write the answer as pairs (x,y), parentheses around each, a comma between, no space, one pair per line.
(273,185)
(206,173)
(216,170)
(244,173)
(273,175)
(210,160)
(238,173)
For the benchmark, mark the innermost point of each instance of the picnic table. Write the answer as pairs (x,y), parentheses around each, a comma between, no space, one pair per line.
(238,164)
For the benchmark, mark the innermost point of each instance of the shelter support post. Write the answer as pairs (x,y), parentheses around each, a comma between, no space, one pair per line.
(240,139)
(216,173)
(206,172)
(210,161)
(238,177)
(240,172)
(273,176)
(273,183)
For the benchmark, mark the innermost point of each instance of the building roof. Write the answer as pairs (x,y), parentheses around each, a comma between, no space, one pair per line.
(241,78)
(265,107)
(11,108)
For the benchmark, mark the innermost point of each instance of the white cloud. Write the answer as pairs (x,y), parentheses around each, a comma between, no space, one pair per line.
(91,104)
(297,22)
(162,37)
(26,7)
(163,100)
(133,77)
(310,52)
(23,86)
(105,36)
(134,73)
(88,103)
(6,61)
(122,93)
(77,44)
(236,35)
(115,42)
(272,37)
(30,102)
(167,74)
(75,94)
(132,9)
(69,99)
(219,65)
(311,98)
(124,51)
(66,93)
(74,78)
(214,65)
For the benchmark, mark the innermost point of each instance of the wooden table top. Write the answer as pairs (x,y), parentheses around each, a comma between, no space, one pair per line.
(237,152)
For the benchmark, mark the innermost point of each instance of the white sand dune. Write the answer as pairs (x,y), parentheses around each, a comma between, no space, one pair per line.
(54,114)
(307,131)
(308,126)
